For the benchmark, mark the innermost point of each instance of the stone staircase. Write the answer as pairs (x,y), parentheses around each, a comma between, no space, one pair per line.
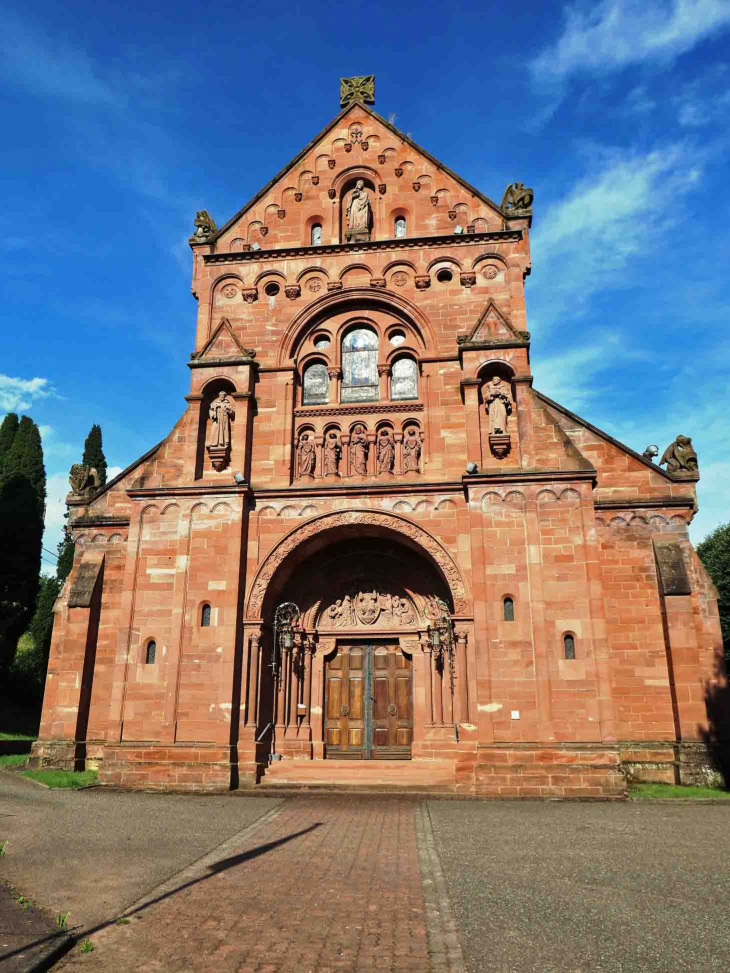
(364,776)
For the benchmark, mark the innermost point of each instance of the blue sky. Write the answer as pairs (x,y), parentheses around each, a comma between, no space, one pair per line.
(127,118)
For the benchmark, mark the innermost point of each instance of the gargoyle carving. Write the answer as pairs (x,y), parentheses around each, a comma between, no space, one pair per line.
(84,480)
(680,456)
(517,199)
(205,227)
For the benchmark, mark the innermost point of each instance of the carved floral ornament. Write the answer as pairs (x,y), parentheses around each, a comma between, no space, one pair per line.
(354,518)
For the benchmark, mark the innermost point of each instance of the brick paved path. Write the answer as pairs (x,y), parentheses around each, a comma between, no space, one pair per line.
(319,885)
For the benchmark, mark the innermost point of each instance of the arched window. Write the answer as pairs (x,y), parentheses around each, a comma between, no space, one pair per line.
(316,384)
(509,610)
(404,379)
(316,234)
(151,652)
(400,227)
(569,645)
(360,366)
(205,616)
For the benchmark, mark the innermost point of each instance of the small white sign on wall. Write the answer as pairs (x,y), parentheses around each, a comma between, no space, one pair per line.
(515,714)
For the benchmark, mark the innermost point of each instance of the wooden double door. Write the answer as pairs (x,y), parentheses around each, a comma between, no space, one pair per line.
(369,702)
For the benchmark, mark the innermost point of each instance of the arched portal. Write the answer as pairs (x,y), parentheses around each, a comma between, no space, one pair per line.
(361,678)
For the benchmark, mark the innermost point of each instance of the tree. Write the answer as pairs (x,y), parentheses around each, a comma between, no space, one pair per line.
(65,559)
(94,454)
(22,509)
(8,430)
(714,551)
(42,624)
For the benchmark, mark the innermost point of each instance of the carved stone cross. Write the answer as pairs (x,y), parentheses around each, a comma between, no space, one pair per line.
(357,89)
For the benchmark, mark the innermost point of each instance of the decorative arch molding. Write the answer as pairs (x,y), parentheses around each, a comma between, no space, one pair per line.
(351,267)
(357,299)
(220,376)
(489,255)
(354,172)
(432,548)
(312,270)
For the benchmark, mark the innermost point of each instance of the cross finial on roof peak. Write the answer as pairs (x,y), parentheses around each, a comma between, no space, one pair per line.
(357,89)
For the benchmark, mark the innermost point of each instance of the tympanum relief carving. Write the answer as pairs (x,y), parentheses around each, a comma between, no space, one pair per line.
(369,604)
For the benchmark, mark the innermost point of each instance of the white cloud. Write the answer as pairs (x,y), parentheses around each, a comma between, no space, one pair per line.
(608,36)
(19,393)
(113,471)
(585,242)
(704,100)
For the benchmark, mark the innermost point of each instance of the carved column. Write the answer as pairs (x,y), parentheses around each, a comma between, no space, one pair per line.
(335,376)
(295,460)
(383,375)
(470,388)
(319,460)
(428,672)
(345,458)
(462,683)
(252,700)
(398,436)
(307,662)
(372,453)
(438,689)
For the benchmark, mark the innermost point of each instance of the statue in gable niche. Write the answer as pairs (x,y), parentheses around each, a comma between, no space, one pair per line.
(498,402)
(680,456)
(386,451)
(358,208)
(220,413)
(305,455)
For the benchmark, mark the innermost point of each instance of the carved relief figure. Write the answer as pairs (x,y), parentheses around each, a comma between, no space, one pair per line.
(305,455)
(386,451)
(411,451)
(331,454)
(220,413)
(359,450)
(680,456)
(498,404)
(205,227)
(358,208)
(83,479)
(367,605)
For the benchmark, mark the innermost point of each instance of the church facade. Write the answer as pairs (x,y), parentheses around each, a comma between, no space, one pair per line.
(369,541)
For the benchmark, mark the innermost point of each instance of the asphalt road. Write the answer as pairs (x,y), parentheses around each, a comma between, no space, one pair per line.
(93,852)
(572,888)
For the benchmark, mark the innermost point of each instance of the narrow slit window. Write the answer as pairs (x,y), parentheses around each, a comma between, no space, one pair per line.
(509,610)
(316,234)
(569,645)
(400,227)
(205,616)
(151,652)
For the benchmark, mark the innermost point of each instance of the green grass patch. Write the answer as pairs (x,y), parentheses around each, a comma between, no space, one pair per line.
(644,792)
(64,778)
(10,760)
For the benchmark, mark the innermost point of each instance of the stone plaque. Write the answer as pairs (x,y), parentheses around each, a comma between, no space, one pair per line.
(672,569)
(84,583)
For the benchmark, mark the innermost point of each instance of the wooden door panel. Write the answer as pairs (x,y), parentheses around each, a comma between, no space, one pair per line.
(402,698)
(334,695)
(356,699)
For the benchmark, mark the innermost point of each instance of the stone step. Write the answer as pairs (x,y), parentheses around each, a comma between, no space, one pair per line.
(361,773)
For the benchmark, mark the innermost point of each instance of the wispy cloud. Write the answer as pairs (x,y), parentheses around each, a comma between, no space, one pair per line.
(704,100)
(584,242)
(20,393)
(53,446)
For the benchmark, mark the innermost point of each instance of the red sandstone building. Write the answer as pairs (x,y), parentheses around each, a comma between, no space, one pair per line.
(368,538)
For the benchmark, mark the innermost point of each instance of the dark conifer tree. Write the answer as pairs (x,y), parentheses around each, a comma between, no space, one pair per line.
(65,555)
(94,454)
(22,508)
(42,625)
(8,430)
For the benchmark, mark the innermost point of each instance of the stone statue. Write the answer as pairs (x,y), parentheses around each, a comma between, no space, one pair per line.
(84,480)
(221,412)
(498,405)
(359,450)
(411,451)
(680,456)
(358,208)
(517,199)
(305,455)
(386,451)
(205,227)
(331,454)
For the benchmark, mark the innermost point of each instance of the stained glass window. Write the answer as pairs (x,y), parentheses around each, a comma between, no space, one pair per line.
(316,385)
(509,610)
(151,652)
(205,616)
(569,643)
(360,366)
(404,379)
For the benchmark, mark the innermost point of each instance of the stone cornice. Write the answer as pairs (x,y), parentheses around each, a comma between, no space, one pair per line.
(354,409)
(407,243)
(209,489)
(218,362)
(392,488)
(510,477)
(102,520)
(629,503)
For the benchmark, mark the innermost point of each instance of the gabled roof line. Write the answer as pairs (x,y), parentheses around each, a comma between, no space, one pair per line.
(605,436)
(310,145)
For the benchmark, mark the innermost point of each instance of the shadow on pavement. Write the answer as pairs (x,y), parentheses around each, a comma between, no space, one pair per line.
(214,869)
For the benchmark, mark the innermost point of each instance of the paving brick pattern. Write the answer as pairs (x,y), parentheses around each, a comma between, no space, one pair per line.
(321,885)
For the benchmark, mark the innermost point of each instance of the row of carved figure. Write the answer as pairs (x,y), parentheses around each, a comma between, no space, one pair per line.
(359,444)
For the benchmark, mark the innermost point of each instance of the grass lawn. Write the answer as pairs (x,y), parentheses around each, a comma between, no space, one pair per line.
(18,723)
(10,760)
(64,778)
(645,792)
